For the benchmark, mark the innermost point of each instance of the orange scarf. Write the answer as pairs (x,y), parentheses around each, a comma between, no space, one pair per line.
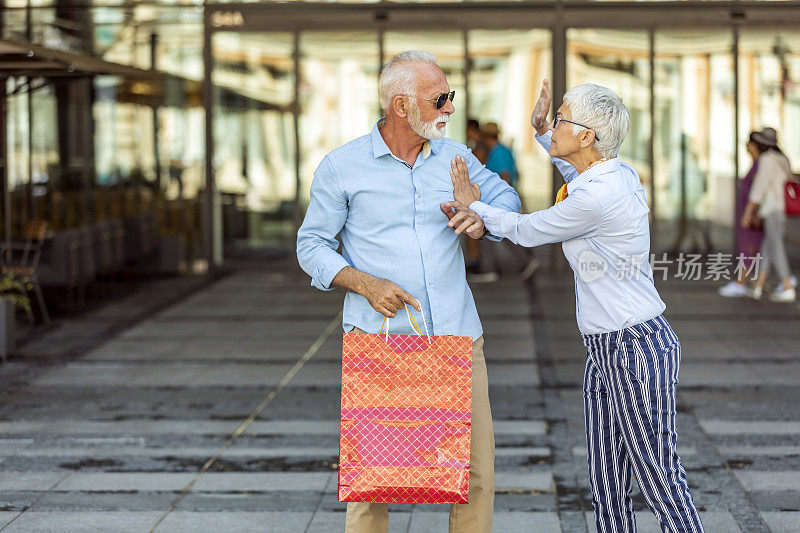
(562,193)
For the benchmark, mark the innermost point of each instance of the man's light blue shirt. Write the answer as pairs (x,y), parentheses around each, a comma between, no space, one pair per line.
(386,214)
(604,230)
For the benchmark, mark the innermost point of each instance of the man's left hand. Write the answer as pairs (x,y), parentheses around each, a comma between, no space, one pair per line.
(464,220)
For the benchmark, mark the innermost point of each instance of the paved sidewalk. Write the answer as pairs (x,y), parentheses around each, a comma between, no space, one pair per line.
(114,439)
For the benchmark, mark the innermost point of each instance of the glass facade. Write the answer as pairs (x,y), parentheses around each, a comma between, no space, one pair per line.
(83,146)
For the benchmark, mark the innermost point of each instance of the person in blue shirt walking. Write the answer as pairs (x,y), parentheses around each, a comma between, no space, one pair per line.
(500,159)
(384,195)
(633,356)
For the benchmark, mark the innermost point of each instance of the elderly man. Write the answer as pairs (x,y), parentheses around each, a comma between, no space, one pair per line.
(384,194)
(633,356)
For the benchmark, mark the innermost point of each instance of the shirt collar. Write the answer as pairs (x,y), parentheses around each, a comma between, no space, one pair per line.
(380,149)
(606,167)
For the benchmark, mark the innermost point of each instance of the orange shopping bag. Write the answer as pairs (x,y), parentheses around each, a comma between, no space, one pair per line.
(406,417)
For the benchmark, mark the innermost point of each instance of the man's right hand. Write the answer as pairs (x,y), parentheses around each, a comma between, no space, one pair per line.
(541,109)
(386,297)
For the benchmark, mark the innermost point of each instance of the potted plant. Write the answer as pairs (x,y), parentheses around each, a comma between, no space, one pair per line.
(13,294)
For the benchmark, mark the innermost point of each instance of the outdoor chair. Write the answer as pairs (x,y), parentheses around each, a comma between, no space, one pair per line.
(24,265)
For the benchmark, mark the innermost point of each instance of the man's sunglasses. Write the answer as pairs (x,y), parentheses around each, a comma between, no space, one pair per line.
(557,119)
(440,101)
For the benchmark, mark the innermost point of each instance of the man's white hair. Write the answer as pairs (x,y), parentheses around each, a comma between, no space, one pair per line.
(602,110)
(399,76)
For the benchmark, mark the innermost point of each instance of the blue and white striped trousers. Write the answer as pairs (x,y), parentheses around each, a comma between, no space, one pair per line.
(630,410)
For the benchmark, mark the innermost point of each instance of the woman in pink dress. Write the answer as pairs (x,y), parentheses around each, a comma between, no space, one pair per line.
(748,239)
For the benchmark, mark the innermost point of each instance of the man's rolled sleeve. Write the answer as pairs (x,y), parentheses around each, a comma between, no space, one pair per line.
(495,191)
(325,217)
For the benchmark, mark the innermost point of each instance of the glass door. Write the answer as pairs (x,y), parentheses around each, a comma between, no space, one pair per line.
(694,151)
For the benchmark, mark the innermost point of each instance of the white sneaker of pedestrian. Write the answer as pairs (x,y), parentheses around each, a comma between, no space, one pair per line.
(529,269)
(785,295)
(793,281)
(755,293)
(486,277)
(733,290)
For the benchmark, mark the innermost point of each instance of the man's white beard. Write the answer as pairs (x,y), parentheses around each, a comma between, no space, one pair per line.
(427,130)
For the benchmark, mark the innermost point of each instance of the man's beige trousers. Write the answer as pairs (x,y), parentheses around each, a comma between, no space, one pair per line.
(475,516)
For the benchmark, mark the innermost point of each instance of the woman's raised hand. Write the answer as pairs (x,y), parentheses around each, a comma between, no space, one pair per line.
(541,109)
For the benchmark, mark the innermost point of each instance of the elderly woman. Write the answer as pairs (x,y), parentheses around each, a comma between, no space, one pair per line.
(601,219)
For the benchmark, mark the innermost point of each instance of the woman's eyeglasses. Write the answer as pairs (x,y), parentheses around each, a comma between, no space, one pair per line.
(557,119)
(440,101)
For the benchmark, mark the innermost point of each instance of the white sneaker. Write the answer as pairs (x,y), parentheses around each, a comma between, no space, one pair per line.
(532,266)
(785,295)
(793,281)
(755,293)
(733,290)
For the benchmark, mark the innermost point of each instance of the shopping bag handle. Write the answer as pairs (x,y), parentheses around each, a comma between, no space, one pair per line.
(413,323)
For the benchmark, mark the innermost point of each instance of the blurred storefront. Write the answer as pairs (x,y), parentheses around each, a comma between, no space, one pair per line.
(107,108)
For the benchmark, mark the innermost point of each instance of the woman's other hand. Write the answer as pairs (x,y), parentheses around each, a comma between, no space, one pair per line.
(464,192)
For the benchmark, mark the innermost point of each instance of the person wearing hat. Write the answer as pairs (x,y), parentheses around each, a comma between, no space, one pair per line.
(766,202)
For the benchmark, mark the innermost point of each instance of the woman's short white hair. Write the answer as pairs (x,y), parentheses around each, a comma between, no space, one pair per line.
(602,110)
(399,76)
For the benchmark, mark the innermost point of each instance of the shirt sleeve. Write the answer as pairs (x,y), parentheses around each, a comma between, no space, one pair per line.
(766,172)
(579,215)
(325,217)
(567,171)
(495,191)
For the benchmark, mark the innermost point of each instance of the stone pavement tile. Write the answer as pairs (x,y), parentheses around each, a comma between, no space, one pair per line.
(507,326)
(319,373)
(751,427)
(540,481)
(181,452)
(721,374)
(777,373)
(524,503)
(135,428)
(522,451)
(6,517)
(102,501)
(261,481)
(115,375)
(771,500)
(428,521)
(246,502)
(163,350)
(105,521)
(513,374)
(698,349)
(749,451)
(526,427)
(782,521)
(333,522)
(760,480)
(126,481)
(235,522)
(536,522)
(225,329)
(11,481)
(509,350)
(241,374)
(646,522)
